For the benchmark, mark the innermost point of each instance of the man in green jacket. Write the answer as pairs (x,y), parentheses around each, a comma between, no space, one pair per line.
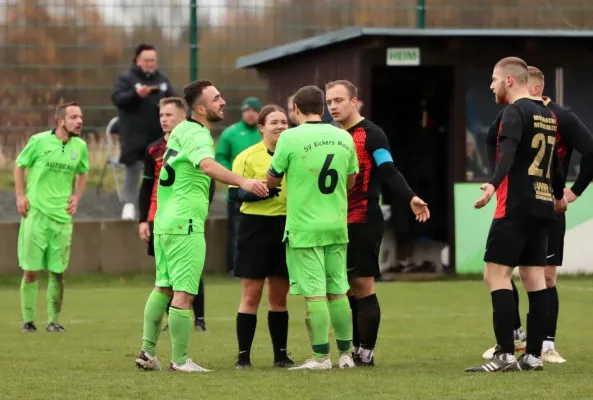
(233,141)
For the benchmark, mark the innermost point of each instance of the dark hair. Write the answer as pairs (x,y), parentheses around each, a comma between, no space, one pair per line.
(60,111)
(310,100)
(267,110)
(193,92)
(352,90)
(142,47)
(176,101)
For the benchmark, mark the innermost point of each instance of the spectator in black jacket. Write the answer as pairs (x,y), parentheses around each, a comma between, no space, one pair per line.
(137,94)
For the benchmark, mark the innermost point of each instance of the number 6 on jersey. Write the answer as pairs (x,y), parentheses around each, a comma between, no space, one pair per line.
(327,174)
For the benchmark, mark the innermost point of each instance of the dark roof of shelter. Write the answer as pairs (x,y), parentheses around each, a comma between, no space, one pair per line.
(346,34)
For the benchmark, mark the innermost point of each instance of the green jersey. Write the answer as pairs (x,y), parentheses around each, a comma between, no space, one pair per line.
(52,166)
(182,194)
(317,159)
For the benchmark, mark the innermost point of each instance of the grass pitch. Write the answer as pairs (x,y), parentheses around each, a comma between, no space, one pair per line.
(429,333)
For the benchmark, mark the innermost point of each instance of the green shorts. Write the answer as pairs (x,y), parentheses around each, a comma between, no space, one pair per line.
(317,271)
(44,243)
(180,261)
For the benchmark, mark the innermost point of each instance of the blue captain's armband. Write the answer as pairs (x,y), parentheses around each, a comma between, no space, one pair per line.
(382,156)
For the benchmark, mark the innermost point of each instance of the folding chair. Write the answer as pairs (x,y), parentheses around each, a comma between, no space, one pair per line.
(112,159)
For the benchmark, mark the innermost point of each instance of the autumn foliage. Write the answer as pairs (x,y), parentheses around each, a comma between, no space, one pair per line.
(54,50)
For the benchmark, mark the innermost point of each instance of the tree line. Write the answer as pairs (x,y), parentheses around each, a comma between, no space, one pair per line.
(51,51)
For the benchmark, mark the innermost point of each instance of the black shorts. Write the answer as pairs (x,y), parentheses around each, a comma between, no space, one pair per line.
(518,242)
(151,239)
(364,243)
(260,250)
(556,241)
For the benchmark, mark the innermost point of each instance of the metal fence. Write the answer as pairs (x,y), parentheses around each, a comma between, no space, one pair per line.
(55,50)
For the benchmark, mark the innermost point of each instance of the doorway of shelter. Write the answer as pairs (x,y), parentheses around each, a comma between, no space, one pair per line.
(413,106)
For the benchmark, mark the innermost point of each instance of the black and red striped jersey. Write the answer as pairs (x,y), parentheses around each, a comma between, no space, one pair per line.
(153,162)
(363,198)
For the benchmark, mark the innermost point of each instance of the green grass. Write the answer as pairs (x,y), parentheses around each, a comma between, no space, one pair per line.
(430,332)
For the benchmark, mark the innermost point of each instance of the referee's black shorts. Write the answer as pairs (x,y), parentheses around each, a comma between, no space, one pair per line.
(516,241)
(556,241)
(151,239)
(260,250)
(364,243)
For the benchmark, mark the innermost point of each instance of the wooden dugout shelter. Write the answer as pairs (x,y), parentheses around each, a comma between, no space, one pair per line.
(392,66)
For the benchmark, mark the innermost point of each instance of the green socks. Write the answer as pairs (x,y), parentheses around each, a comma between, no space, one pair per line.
(29,300)
(341,316)
(318,326)
(55,295)
(153,315)
(179,326)
(179,330)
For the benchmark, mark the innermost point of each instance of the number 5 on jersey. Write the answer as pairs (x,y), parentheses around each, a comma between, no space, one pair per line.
(170,171)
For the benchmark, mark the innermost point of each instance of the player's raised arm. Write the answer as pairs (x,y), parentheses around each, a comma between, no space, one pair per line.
(201,155)
(221,174)
(377,145)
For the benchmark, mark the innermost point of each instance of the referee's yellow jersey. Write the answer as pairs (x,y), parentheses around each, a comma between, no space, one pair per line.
(253,163)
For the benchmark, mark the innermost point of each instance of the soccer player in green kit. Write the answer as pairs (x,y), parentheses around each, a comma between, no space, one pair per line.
(320,164)
(180,246)
(53,158)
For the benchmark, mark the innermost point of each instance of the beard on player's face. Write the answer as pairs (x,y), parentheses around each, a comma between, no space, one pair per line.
(500,93)
(72,129)
(213,116)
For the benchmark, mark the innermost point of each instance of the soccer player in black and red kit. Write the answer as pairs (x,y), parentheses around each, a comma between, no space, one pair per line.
(529,185)
(172,111)
(365,218)
(572,135)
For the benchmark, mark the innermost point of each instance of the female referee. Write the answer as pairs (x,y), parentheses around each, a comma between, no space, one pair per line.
(260,252)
